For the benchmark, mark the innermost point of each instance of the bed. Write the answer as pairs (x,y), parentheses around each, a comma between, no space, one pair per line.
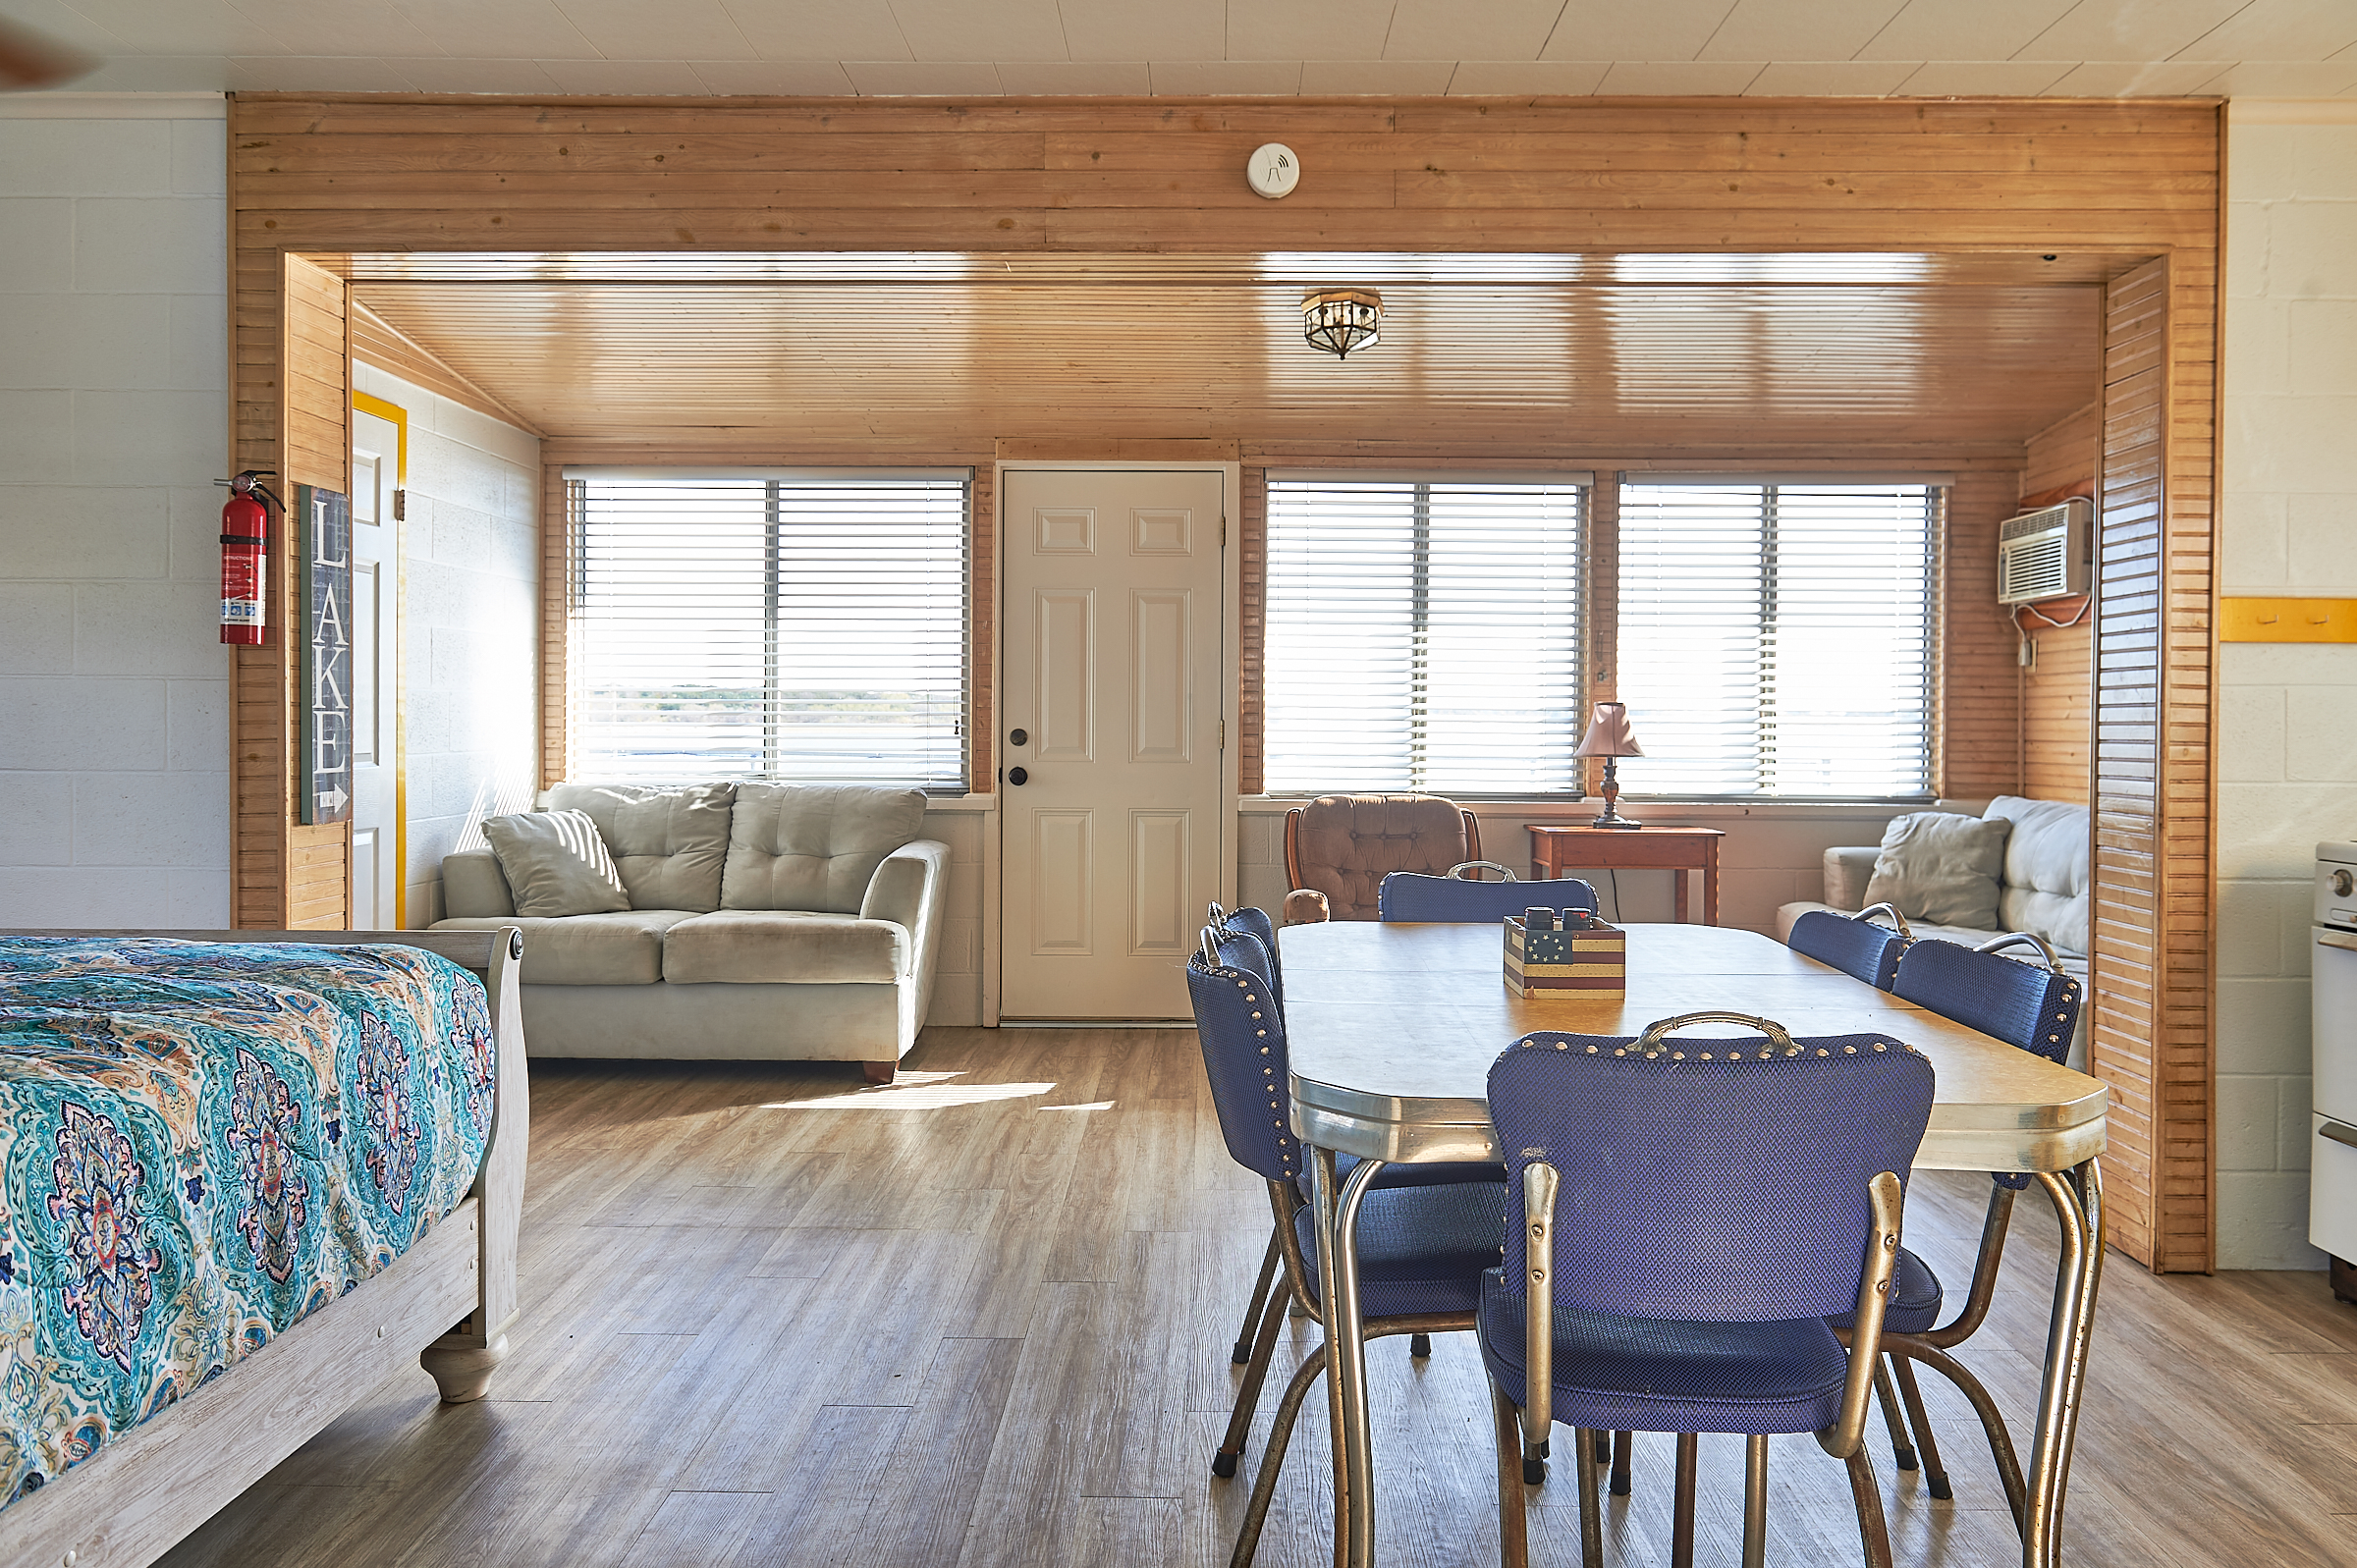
(242,1187)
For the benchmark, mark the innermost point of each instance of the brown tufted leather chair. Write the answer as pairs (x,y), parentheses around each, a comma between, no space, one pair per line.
(1338,849)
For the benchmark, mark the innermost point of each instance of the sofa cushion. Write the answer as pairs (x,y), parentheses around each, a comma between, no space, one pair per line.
(813,846)
(669,845)
(792,946)
(623,948)
(2045,870)
(555,863)
(1941,867)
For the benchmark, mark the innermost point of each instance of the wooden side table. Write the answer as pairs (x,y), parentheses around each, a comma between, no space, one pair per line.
(1554,852)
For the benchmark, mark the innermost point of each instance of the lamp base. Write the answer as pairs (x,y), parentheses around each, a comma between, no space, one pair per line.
(1615,821)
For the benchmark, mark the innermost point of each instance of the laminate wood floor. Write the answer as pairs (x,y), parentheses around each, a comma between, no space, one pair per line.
(981,1317)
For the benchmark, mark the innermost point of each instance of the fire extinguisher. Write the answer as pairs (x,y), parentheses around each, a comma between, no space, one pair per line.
(245,557)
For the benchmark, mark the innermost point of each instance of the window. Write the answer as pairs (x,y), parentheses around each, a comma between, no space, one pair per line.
(1775,638)
(1423,634)
(806,627)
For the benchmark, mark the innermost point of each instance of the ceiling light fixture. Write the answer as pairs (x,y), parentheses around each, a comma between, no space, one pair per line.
(1339,320)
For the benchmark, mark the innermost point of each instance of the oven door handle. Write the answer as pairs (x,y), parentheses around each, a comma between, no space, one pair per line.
(2339,1132)
(2327,938)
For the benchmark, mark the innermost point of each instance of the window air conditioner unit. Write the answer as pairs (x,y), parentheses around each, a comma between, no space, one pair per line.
(2045,554)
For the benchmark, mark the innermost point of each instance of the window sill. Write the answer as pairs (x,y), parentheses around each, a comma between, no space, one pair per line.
(1665,813)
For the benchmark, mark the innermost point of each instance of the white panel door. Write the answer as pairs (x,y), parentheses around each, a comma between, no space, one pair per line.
(375,669)
(1110,746)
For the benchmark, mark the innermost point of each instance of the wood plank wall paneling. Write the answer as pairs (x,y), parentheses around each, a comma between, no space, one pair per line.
(292,388)
(1000,174)
(1980,691)
(982,645)
(2058,692)
(377,342)
(1600,608)
(2103,187)
(2152,972)
(317,375)
(1252,572)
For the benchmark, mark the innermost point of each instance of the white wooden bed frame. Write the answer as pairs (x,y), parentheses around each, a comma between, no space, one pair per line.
(130,1503)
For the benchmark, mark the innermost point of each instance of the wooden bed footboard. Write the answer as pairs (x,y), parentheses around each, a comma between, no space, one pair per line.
(448,1301)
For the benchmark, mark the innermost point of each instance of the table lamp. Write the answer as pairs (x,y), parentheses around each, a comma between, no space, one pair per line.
(1609,738)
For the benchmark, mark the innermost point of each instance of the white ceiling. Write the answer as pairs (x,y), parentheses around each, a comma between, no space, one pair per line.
(972,48)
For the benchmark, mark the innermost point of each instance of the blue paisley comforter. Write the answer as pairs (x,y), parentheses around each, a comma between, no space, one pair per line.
(201,1144)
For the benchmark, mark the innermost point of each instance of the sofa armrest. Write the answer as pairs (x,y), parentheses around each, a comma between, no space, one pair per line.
(1847,870)
(473,887)
(910,889)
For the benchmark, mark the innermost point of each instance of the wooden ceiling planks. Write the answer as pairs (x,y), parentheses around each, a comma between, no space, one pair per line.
(1539,369)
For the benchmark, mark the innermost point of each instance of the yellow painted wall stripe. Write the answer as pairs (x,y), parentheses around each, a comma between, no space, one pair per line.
(2287,621)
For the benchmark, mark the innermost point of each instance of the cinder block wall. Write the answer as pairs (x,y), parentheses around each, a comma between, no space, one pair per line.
(114,417)
(2287,740)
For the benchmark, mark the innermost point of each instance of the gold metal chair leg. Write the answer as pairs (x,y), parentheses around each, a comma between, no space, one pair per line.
(1264,1484)
(1902,1449)
(1682,1508)
(1992,1420)
(1624,1445)
(1755,1500)
(1514,1523)
(1872,1532)
(1935,1472)
(1242,1351)
(1247,1397)
(1591,1506)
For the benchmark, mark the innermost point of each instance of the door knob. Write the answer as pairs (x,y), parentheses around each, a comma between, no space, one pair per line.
(1016,776)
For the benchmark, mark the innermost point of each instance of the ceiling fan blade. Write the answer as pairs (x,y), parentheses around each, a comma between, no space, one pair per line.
(28,59)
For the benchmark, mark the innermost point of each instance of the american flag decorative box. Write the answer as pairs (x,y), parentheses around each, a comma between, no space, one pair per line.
(1582,960)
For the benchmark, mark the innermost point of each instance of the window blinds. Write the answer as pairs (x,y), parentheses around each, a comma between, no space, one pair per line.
(1776,639)
(810,630)
(1422,635)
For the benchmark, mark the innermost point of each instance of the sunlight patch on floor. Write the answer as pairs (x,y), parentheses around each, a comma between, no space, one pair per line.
(916,1091)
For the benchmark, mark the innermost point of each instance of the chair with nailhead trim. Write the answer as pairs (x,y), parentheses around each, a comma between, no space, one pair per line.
(1854,943)
(1421,1248)
(1410,895)
(2033,1007)
(1719,1198)
(1256,925)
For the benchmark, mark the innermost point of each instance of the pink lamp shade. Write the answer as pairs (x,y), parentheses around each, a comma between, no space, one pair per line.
(1608,733)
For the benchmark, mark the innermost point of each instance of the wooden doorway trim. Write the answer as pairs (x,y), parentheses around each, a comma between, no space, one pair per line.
(292,396)
(2154,980)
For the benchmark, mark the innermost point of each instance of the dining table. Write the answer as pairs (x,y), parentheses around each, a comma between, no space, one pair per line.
(1392,1029)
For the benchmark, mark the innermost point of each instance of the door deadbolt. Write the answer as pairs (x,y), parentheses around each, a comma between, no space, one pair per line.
(1020,738)
(1016,776)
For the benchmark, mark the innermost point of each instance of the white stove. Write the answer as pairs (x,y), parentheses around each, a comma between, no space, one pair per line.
(2332,1034)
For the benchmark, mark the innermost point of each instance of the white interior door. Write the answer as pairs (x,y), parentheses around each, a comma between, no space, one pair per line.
(375,666)
(1112,805)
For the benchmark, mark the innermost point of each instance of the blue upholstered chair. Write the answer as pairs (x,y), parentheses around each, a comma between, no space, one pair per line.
(1256,926)
(2033,1007)
(1854,943)
(1719,1200)
(1421,1248)
(1411,896)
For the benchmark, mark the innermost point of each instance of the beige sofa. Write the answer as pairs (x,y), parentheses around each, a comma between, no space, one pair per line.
(2041,889)
(797,922)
